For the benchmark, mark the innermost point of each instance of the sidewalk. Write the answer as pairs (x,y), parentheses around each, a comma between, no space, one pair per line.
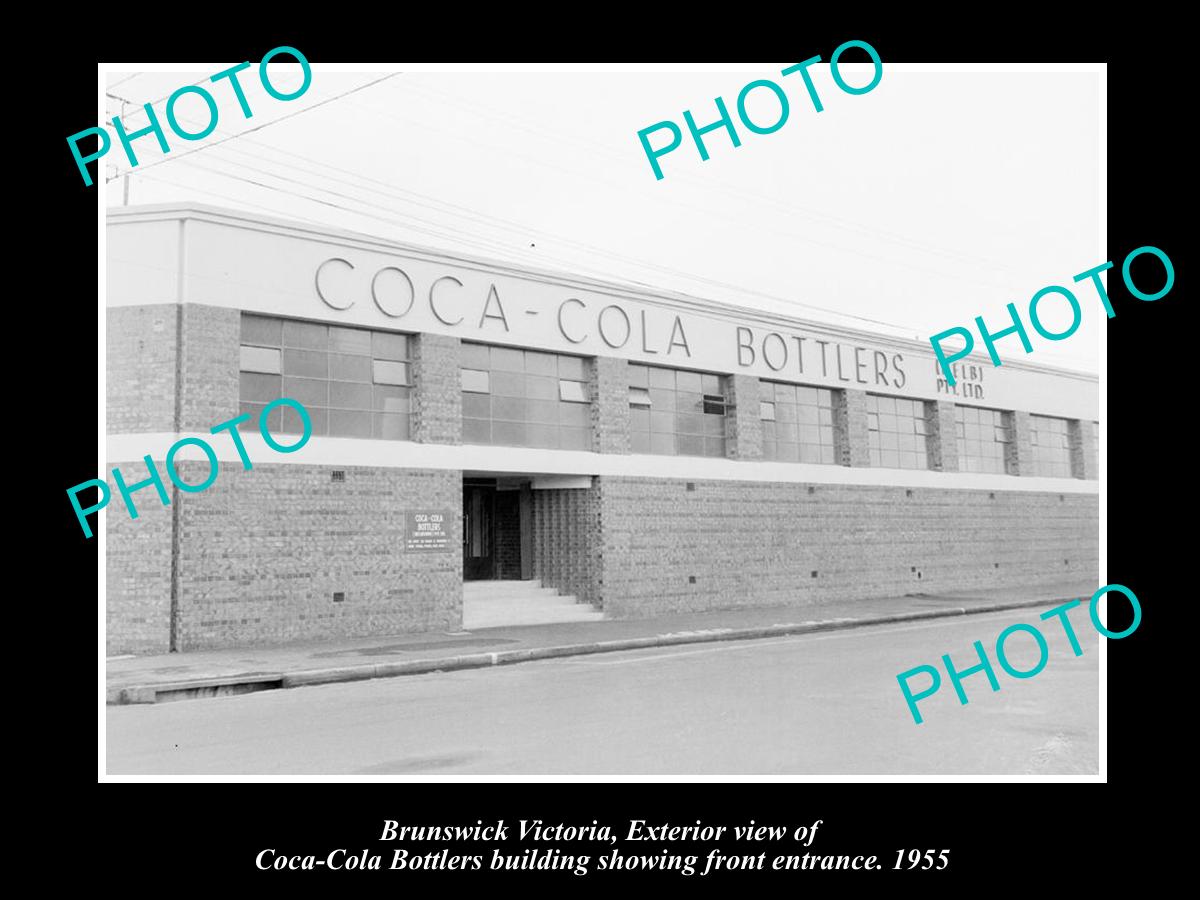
(210,673)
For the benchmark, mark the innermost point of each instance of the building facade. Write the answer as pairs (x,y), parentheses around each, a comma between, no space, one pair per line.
(646,452)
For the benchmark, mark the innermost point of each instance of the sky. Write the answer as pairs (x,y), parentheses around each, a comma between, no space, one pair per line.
(939,196)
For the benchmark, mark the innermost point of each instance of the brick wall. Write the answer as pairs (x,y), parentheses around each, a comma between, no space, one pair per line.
(507,530)
(140,360)
(437,392)
(1019,453)
(137,567)
(943,435)
(743,421)
(262,553)
(211,359)
(609,384)
(851,447)
(758,544)
(1081,435)
(566,548)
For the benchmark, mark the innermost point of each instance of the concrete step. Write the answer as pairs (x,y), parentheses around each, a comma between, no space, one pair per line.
(503,587)
(526,603)
(472,621)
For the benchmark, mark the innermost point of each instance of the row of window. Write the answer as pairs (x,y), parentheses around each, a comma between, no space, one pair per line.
(356,382)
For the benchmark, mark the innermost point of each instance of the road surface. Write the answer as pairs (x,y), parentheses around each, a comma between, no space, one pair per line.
(809,704)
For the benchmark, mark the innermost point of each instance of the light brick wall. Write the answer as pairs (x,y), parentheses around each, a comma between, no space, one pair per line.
(211,362)
(609,385)
(851,447)
(757,544)
(1020,448)
(137,566)
(943,435)
(263,552)
(437,390)
(1081,436)
(743,422)
(140,361)
(566,541)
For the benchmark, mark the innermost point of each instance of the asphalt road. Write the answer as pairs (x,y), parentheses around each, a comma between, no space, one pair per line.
(810,704)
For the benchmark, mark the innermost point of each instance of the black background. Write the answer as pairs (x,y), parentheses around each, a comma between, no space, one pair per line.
(184,835)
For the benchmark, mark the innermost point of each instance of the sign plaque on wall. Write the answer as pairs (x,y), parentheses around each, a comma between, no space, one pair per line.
(427,529)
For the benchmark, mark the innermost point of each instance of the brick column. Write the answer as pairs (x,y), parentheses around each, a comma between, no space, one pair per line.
(1020,448)
(851,444)
(437,390)
(743,419)
(1081,435)
(943,435)
(609,384)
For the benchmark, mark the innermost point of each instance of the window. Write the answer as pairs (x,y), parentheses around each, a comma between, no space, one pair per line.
(676,412)
(1051,447)
(523,398)
(897,432)
(800,425)
(983,438)
(353,382)
(766,410)
(573,391)
(476,382)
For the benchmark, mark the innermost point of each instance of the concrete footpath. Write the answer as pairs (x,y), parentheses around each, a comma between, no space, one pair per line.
(212,673)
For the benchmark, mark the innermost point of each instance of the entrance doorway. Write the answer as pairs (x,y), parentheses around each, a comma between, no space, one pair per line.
(497,529)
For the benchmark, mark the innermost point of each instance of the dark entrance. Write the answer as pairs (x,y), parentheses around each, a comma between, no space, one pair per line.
(497,530)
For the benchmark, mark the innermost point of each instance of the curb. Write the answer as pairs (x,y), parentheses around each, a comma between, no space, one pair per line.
(198,688)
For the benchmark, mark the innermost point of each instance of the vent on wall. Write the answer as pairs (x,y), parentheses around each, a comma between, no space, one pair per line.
(691,579)
(691,485)
(337,475)
(339,596)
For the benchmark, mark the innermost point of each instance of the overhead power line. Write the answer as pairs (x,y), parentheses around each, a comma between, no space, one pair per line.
(174,157)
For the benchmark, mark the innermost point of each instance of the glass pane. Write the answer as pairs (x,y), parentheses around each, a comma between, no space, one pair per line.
(306,363)
(350,340)
(711,384)
(572,367)
(543,412)
(349,423)
(505,359)
(348,395)
(475,406)
(541,387)
(690,445)
(575,438)
(260,388)
(766,411)
(391,427)
(254,410)
(305,335)
(639,396)
(573,391)
(389,346)
(260,330)
(343,367)
(545,436)
(477,431)
(688,381)
(638,376)
(292,424)
(476,381)
(661,378)
(662,444)
(541,363)
(639,442)
(639,420)
(260,359)
(576,414)
(508,384)
(475,356)
(510,409)
(389,372)
(308,391)
(509,433)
